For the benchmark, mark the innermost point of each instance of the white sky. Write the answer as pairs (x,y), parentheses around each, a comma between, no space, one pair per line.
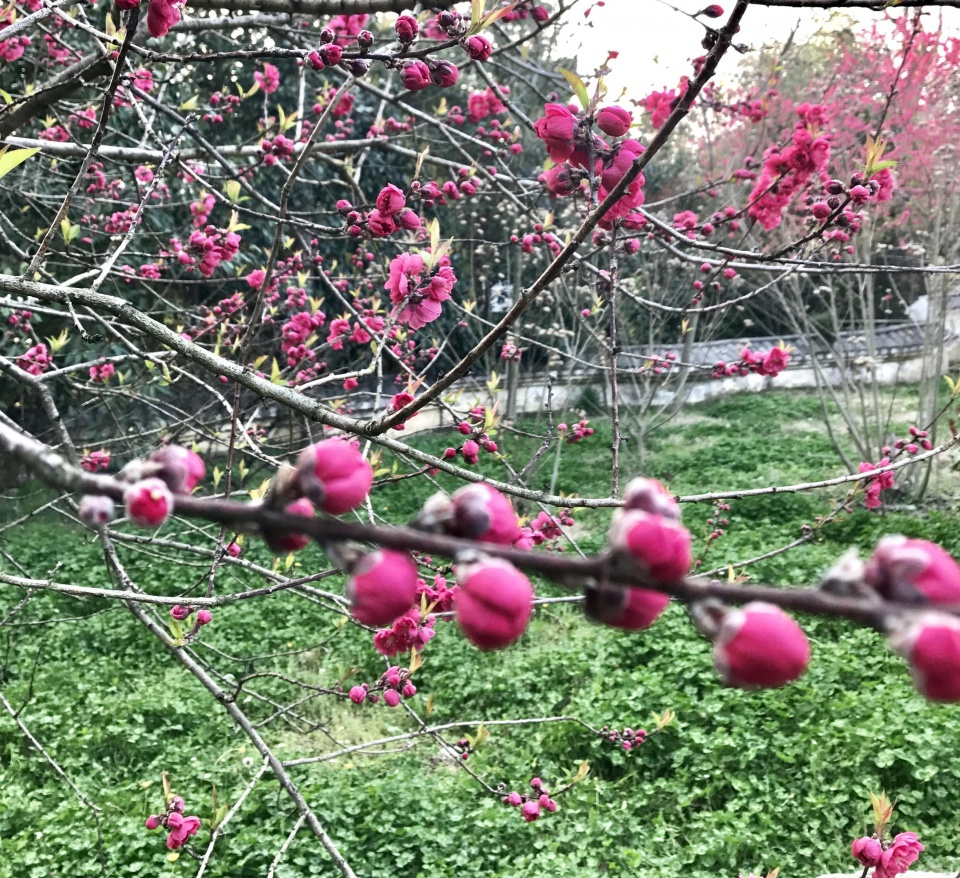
(656,43)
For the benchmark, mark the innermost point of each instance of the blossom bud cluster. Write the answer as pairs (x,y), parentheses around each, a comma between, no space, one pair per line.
(888,859)
(531,805)
(771,364)
(629,739)
(393,683)
(179,827)
(572,145)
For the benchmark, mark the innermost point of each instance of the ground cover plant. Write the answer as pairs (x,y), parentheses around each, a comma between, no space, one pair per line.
(356,517)
(709,771)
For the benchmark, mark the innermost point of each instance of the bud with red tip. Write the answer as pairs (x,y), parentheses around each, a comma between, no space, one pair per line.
(630,608)
(407,28)
(760,646)
(930,642)
(494,602)
(382,586)
(913,571)
(614,121)
(334,475)
(661,547)
(713,11)
(152,822)
(291,542)
(180,467)
(358,694)
(148,502)
(96,510)
(204,617)
(477,512)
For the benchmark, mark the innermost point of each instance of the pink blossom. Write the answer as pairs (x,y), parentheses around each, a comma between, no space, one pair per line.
(148,502)
(557,129)
(760,646)
(181,828)
(899,856)
(162,15)
(867,850)
(334,475)
(180,468)
(661,547)
(290,541)
(930,643)
(494,602)
(391,200)
(93,461)
(268,80)
(102,373)
(415,76)
(404,277)
(614,121)
(913,571)
(382,586)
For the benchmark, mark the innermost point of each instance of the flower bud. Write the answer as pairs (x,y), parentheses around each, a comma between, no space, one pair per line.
(95,510)
(867,850)
(334,475)
(913,571)
(930,642)
(630,608)
(407,28)
(476,512)
(415,76)
(648,495)
(331,54)
(358,694)
(408,690)
(148,502)
(530,811)
(152,822)
(382,586)
(204,617)
(660,547)
(760,646)
(444,74)
(714,10)
(181,468)
(291,542)
(614,121)
(479,48)
(391,697)
(494,602)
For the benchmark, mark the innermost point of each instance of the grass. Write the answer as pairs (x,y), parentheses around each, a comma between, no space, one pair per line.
(741,782)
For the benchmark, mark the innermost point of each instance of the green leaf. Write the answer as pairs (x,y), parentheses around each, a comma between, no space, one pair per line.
(11,158)
(579,89)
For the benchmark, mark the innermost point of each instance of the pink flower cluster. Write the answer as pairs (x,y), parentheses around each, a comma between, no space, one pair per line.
(394,682)
(785,173)
(888,860)
(627,738)
(409,631)
(102,373)
(531,805)
(527,9)
(879,483)
(577,432)
(570,143)
(94,461)
(772,363)
(206,249)
(180,827)
(35,360)
(12,49)
(182,613)
(296,333)
(418,298)
(545,528)
(481,104)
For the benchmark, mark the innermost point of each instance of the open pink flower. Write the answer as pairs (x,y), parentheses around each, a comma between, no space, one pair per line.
(162,15)
(268,80)
(557,129)
(899,856)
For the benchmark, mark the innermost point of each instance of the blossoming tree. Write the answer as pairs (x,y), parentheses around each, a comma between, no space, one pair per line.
(250,247)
